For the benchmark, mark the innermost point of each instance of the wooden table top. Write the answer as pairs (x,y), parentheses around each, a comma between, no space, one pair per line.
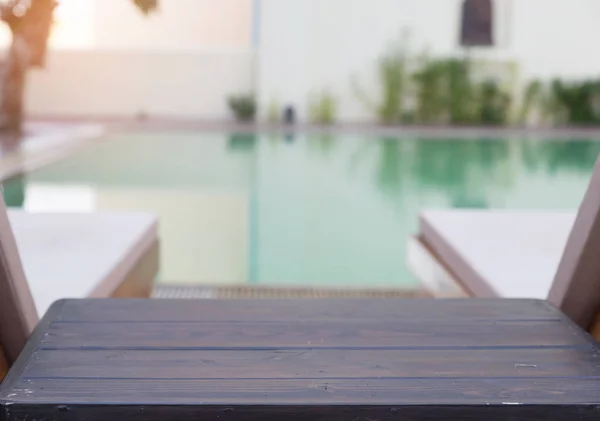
(307,359)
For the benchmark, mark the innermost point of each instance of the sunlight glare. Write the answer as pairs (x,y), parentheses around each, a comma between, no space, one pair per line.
(73,24)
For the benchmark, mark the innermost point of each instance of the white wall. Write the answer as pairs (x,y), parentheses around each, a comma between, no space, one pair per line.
(182,61)
(310,45)
(178,24)
(557,37)
(186,59)
(190,84)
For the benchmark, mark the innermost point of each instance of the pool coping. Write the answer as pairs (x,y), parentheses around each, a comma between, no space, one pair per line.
(423,132)
(124,124)
(49,143)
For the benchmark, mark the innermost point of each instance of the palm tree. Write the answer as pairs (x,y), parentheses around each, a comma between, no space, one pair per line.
(30,22)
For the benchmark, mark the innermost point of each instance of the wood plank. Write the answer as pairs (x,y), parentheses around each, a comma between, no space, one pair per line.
(373,391)
(313,363)
(431,374)
(310,334)
(296,310)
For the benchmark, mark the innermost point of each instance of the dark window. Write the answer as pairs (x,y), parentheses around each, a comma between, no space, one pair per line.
(477,28)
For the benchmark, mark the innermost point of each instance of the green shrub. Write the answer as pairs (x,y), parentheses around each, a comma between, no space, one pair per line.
(494,105)
(450,91)
(323,108)
(243,106)
(393,77)
(463,102)
(392,73)
(445,92)
(578,101)
(274,112)
(532,98)
(559,102)
(430,96)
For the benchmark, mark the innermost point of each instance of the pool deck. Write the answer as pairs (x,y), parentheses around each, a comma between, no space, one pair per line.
(122,124)
(425,132)
(43,144)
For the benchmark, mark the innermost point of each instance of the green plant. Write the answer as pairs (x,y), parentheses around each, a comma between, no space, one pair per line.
(274,112)
(430,97)
(494,104)
(462,93)
(243,106)
(577,101)
(445,92)
(532,98)
(323,108)
(393,75)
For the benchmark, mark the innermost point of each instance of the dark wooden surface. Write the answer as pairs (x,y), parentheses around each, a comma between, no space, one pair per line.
(354,360)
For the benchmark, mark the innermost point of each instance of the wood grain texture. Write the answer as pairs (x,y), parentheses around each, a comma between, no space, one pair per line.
(312,334)
(305,359)
(358,391)
(313,364)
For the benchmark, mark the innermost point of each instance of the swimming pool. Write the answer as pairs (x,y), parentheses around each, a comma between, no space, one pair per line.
(309,210)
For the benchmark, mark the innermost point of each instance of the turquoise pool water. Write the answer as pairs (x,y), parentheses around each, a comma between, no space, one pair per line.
(311,210)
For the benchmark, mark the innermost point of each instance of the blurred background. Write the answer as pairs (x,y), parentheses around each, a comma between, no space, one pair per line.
(293,143)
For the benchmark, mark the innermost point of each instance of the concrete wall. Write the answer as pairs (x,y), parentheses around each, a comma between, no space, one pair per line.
(97,83)
(311,45)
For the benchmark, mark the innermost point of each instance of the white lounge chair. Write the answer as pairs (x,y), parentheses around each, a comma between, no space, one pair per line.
(54,256)
(480,253)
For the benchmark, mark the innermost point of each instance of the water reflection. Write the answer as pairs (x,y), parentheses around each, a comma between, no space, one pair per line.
(391,166)
(14,192)
(467,171)
(323,144)
(242,142)
(577,156)
(451,165)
